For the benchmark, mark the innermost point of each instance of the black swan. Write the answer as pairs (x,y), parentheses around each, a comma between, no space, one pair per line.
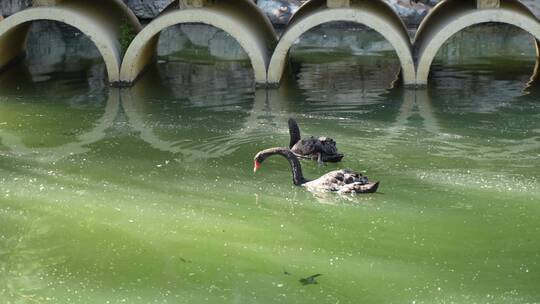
(322,149)
(341,181)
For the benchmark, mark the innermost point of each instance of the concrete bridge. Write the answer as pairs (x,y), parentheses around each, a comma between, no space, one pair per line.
(101,20)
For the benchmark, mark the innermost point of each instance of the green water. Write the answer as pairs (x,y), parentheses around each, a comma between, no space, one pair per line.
(147,195)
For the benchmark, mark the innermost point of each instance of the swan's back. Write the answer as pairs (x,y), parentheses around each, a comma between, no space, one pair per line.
(343,181)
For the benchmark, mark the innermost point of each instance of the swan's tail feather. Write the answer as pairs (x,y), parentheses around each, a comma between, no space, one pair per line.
(294,132)
(371,188)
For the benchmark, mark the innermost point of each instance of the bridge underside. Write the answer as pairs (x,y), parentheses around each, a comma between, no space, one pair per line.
(111,13)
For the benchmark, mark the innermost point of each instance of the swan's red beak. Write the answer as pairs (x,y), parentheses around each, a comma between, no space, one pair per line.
(256,166)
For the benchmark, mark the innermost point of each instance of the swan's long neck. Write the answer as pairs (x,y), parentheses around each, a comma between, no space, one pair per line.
(294,132)
(296,168)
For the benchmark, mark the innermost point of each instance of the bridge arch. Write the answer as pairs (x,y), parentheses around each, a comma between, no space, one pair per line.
(108,12)
(240,18)
(451,16)
(375,14)
(13,31)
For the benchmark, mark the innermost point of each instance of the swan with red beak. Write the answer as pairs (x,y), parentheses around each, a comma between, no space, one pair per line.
(341,181)
(256,166)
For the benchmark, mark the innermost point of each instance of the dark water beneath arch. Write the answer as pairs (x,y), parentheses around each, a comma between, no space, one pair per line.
(147,195)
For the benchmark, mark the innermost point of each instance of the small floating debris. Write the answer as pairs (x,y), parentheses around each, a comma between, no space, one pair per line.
(184,260)
(310,280)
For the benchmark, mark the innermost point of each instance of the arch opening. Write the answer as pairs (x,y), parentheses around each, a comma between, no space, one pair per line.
(375,15)
(344,56)
(55,51)
(496,51)
(453,16)
(255,39)
(482,70)
(190,56)
(348,52)
(14,32)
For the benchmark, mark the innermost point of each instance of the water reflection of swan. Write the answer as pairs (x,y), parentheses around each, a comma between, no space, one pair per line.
(261,116)
(17,147)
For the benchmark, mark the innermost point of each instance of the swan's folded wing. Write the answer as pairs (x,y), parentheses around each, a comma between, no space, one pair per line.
(327,146)
(359,187)
(304,147)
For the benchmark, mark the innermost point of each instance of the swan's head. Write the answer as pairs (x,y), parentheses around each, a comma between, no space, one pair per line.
(257,161)
(262,155)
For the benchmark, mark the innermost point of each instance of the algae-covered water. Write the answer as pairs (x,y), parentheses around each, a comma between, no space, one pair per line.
(147,195)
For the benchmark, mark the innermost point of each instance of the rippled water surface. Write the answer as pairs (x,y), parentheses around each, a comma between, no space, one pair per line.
(147,195)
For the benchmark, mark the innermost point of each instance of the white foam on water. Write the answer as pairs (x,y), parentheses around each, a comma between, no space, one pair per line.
(481,180)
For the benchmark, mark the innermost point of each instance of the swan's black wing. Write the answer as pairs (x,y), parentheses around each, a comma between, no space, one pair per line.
(332,158)
(312,147)
(327,145)
(360,188)
(307,147)
(322,148)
